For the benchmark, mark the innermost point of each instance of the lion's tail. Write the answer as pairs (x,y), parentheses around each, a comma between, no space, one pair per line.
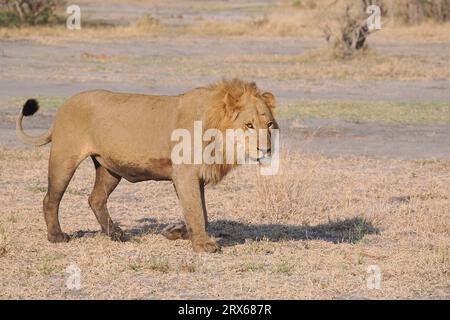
(29,108)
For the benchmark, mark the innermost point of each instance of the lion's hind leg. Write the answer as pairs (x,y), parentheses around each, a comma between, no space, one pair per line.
(105,183)
(61,169)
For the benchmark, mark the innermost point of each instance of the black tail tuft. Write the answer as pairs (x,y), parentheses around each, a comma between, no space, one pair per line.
(30,107)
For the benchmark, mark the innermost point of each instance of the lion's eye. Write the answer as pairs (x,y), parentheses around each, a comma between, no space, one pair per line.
(269,124)
(249,125)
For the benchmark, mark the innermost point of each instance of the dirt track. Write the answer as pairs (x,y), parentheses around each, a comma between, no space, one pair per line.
(25,63)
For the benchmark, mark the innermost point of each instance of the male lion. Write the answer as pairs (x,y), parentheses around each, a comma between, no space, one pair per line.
(129,136)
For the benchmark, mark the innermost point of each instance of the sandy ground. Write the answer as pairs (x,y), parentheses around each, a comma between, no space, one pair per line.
(350,195)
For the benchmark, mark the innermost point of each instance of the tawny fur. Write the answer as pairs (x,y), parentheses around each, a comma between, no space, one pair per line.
(129,136)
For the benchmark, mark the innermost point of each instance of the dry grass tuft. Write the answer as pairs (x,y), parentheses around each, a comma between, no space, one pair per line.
(280,24)
(3,241)
(186,267)
(155,263)
(147,23)
(47,266)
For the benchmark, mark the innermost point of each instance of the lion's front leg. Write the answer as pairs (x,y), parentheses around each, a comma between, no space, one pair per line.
(176,231)
(189,191)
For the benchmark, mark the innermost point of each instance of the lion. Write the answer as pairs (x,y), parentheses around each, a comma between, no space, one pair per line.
(129,136)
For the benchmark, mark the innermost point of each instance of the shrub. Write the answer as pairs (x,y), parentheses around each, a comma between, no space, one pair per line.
(32,12)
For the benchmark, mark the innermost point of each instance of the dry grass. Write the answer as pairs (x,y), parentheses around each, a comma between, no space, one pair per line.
(281,24)
(415,12)
(310,232)
(283,19)
(315,64)
(143,28)
(3,241)
(160,264)
(425,32)
(322,64)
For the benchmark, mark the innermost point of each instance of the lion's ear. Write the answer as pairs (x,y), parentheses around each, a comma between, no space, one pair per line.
(269,98)
(230,104)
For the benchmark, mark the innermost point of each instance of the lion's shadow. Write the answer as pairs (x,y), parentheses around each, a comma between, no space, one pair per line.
(231,233)
(348,230)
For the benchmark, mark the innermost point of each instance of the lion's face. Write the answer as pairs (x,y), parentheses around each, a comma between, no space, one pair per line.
(255,117)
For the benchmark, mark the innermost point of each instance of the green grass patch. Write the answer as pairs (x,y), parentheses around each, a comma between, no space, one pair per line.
(371,111)
(358,230)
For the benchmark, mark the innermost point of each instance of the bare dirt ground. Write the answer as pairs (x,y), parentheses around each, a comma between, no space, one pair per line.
(351,194)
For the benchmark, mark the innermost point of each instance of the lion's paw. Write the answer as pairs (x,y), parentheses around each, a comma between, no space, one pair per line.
(58,238)
(209,245)
(118,235)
